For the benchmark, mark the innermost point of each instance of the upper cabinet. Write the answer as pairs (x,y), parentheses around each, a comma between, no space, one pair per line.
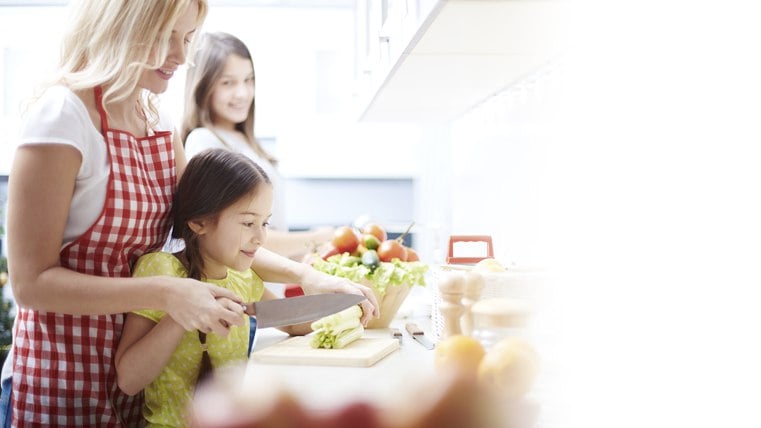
(433,60)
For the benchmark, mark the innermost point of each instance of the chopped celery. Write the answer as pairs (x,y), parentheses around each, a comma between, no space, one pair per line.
(339,319)
(337,330)
(348,336)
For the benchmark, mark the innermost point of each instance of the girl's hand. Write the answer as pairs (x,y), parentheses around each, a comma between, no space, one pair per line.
(202,306)
(315,282)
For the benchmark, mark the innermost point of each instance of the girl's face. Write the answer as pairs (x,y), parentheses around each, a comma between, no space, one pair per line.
(231,240)
(157,81)
(233,93)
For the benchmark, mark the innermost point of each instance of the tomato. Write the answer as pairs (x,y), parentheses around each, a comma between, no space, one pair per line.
(345,239)
(375,230)
(392,249)
(412,255)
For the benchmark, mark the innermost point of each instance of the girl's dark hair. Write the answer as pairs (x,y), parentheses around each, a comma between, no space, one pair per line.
(213,180)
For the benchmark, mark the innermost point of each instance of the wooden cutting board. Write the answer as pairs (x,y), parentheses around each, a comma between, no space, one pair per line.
(296,350)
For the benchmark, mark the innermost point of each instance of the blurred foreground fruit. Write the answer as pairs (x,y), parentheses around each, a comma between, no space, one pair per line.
(510,366)
(459,353)
(448,400)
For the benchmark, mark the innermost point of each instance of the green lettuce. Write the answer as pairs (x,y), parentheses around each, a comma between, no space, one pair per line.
(393,273)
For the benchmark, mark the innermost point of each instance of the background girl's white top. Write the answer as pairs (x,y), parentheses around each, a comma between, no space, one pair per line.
(202,138)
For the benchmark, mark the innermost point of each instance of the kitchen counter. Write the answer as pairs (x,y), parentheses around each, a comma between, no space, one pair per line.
(402,379)
(322,387)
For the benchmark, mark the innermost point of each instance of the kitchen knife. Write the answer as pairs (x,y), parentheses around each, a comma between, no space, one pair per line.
(396,334)
(296,310)
(419,335)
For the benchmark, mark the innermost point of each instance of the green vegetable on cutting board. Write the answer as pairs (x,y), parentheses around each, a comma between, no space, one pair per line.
(338,330)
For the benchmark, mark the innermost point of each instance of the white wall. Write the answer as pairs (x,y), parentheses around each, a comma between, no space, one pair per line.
(304,60)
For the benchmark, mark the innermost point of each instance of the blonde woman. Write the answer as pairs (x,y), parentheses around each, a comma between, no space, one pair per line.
(219,113)
(89,192)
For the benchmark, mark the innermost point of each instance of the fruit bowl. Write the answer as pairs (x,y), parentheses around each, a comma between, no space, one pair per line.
(388,303)
(390,281)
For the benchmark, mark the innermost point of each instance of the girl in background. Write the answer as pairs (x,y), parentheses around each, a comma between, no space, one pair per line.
(221,212)
(219,113)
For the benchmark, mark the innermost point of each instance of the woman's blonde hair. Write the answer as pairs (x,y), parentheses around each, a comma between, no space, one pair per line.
(203,74)
(111,42)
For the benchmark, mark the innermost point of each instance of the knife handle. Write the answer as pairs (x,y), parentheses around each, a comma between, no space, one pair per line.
(413,329)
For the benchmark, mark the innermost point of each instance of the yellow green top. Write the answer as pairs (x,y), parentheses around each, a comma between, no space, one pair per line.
(168,396)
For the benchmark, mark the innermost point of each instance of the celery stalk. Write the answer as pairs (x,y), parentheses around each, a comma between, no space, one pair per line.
(337,330)
(349,336)
(331,322)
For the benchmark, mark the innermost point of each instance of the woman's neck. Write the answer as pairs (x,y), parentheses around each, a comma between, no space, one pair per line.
(128,115)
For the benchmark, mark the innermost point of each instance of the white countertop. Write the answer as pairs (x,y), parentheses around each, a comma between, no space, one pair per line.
(323,386)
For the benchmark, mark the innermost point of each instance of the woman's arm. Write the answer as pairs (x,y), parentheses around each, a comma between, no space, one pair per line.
(295,245)
(275,268)
(293,330)
(41,186)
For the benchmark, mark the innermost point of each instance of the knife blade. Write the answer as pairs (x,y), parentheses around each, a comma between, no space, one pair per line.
(419,335)
(299,309)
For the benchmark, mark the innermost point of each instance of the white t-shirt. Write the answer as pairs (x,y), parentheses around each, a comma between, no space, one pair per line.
(201,139)
(60,117)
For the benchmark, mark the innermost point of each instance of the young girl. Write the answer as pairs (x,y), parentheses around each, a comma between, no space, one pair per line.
(221,212)
(219,113)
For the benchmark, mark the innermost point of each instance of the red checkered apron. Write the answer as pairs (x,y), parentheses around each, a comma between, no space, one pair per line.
(63,372)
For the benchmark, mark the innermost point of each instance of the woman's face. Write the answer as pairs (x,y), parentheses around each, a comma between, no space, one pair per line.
(233,93)
(239,230)
(157,81)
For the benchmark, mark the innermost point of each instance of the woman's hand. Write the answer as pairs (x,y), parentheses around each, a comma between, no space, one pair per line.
(315,282)
(202,306)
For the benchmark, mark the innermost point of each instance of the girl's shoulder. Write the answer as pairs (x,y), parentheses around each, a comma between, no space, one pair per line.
(201,139)
(159,263)
(246,284)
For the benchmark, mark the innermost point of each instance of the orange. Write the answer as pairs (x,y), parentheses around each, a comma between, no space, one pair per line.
(510,366)
(461,353)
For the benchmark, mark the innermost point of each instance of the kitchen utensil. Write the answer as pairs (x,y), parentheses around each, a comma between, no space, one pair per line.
(296,310)
(396,334)
(419,335)
(296,350)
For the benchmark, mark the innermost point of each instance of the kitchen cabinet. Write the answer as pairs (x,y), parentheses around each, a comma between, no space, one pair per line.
(433,60)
